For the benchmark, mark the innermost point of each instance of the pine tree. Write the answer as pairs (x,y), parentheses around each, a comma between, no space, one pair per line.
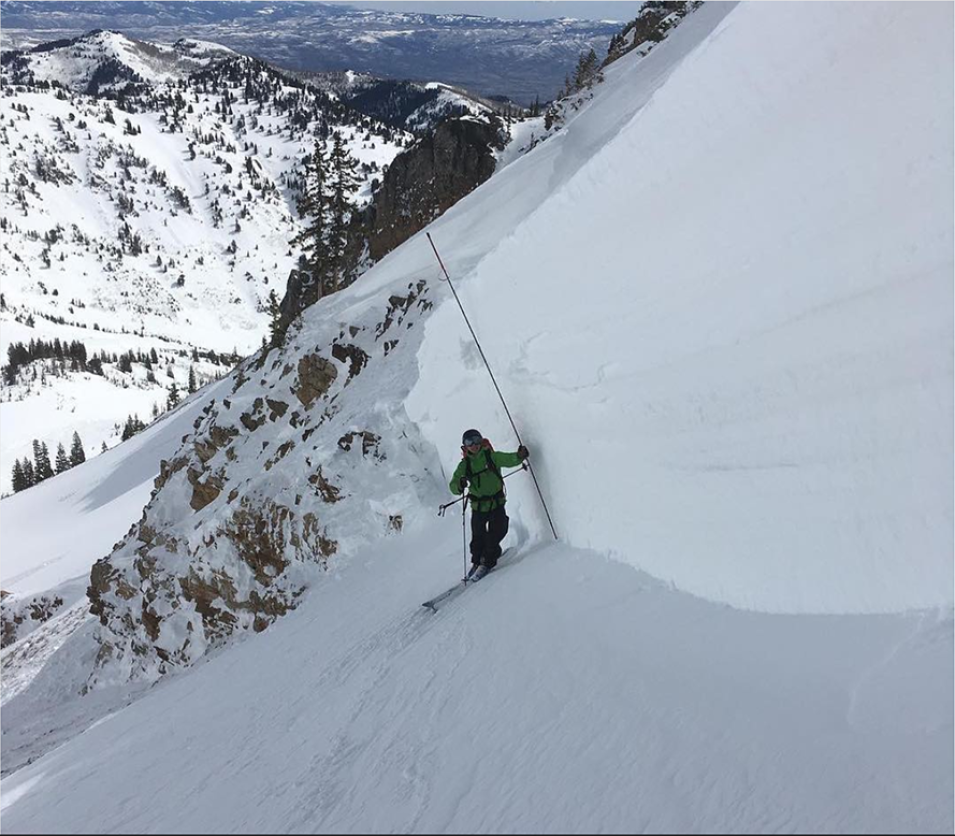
(29,474)
(77,453)
(276,329)
(313,205)
(19,478)
(62,462)
(41,461)
(192,380)
(172,399)
(586,71)
(344,183)
(132,426)
(37,457)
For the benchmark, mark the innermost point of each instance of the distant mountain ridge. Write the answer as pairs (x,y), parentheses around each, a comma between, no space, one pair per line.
(521,60)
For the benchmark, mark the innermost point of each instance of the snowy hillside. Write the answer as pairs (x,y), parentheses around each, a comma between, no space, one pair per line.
(159,228)
(79,63)
(408,105)
(719,303)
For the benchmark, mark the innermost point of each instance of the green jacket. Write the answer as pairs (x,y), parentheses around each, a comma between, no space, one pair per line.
(486,488)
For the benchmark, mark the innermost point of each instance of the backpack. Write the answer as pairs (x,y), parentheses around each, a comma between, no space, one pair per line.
(487,449)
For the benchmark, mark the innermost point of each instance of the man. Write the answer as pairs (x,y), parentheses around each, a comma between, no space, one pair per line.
(480,470)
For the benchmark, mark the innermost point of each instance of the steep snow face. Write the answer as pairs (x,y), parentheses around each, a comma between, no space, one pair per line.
(727,336)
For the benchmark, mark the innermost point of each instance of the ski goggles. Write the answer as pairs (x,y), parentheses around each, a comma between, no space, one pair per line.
(473,441)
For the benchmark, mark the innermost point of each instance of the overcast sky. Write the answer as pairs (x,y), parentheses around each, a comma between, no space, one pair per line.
(622,10)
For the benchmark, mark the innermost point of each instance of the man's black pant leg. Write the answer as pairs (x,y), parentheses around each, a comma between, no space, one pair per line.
(487,531)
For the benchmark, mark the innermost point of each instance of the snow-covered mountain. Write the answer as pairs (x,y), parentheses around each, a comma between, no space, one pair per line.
(409,105)
(718,301)
(148,204)
(518,59)
(99,60)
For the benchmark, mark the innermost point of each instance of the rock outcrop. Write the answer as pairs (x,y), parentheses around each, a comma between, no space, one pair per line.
(428,179)
(421,184)
(276,481)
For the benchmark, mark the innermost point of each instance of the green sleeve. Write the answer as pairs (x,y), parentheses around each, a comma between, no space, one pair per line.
(459,471)
(506,459)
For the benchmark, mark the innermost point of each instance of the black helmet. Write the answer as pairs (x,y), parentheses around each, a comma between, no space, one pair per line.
(471,437)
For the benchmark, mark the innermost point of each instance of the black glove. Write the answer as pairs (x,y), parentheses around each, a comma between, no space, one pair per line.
(462,484)
(523,453)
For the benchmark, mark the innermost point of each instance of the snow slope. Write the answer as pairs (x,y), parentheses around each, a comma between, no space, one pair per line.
(55,531)
(565,693)
(729,335)
(756,354)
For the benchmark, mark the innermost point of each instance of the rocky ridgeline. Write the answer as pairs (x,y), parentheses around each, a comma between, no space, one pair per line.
(308,457)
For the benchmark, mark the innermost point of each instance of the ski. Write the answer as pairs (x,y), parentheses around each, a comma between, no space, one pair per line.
(432,605)
(457,589)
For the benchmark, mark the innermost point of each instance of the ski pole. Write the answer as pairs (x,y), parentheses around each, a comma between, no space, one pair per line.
(443,508)
(493,380)
(464,537)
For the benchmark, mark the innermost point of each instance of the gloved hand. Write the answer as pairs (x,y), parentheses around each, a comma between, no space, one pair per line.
(462,484)
(523,453)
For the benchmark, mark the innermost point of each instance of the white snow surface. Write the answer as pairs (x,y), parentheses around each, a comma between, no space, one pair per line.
(726,330)
(566,693)
(719,303)
(55,531)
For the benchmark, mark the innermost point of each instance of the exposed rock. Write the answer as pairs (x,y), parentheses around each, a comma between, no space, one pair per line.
(278,409)
(222,436)
(248,419)
(315,377)
(352,354)
(369,443)
(217,622)
(326,490)
(399,306)
(167,469)
(203,491)
(429,178)
(419,185)
(18,617)
(281,453)
(259,538)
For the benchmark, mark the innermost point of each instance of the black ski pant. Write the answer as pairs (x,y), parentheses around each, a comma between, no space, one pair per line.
(488,528)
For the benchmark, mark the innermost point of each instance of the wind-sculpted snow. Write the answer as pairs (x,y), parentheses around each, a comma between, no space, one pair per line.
(727,336)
